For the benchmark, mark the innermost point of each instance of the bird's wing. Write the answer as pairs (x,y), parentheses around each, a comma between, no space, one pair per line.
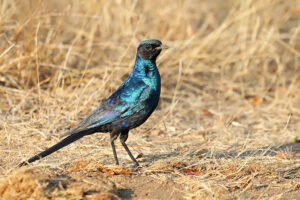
(107,113)
(102,115)
(136,107)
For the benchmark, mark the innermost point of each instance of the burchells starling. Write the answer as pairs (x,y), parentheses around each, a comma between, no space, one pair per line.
(127,108)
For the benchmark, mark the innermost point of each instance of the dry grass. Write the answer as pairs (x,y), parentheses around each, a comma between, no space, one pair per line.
(228,114)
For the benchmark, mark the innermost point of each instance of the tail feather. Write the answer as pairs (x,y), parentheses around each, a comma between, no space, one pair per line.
(66,141)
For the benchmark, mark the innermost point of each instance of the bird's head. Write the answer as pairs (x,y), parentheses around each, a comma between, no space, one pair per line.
(150,49)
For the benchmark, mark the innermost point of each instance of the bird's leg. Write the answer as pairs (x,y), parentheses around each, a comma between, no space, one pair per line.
(123,138)
(113,137)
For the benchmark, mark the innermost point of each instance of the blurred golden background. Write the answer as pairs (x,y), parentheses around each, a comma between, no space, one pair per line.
(228,119)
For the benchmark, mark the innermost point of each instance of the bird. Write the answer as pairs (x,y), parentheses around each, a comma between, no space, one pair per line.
(127,108)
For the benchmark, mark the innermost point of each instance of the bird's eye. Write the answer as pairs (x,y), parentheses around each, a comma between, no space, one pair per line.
(148,47)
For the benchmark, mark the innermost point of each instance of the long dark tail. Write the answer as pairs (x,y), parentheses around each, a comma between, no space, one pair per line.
(66,141)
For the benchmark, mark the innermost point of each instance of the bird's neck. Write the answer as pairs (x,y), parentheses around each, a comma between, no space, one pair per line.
(147,72)
(144,67)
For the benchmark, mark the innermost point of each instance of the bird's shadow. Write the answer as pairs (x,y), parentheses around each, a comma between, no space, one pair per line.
(59,181)
(124,194)
(161,156)
(264,151)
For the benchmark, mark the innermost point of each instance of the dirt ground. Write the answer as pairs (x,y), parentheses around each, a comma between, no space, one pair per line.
(227,125)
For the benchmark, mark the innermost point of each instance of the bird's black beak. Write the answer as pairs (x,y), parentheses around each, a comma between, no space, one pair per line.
(162,46)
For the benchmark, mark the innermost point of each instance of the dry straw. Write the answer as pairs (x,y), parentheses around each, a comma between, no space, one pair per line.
(228,113)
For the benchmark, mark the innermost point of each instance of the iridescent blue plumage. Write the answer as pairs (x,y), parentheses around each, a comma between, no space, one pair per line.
(128,107)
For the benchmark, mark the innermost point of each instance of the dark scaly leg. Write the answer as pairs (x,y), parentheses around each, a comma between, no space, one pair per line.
(123,138)
(113,137)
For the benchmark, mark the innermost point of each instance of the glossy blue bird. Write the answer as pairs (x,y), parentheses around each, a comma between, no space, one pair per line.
(127,108)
